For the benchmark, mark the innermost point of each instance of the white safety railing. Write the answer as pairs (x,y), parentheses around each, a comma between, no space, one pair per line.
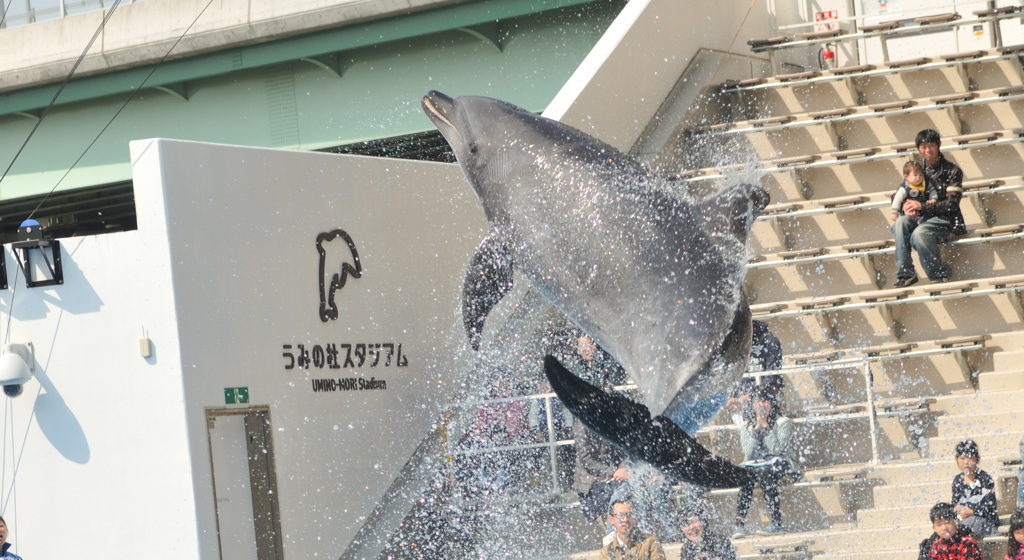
(468,456)
(475,452)
(863,366)
(856,30)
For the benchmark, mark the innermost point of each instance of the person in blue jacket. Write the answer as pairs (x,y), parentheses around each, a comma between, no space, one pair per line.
(5,547)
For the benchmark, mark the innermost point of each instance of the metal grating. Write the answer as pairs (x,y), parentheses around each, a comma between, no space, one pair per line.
(425,146)
(88,211)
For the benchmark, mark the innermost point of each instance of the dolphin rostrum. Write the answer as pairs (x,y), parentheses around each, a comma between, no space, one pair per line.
(650,273)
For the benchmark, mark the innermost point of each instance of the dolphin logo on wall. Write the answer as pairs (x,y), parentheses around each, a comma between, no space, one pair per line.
(345,263)
(652,274)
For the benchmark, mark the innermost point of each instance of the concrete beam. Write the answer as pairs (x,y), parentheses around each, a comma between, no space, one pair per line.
(224,40)
(141,33)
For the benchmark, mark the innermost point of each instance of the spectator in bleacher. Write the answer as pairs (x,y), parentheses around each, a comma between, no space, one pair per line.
(4,545)
(626,540)
(656,514)
(926,224)
(765,355)
(700,541)
(600,466)
(697,498)
(974,492)
(1015,546)
(1020,482)
(950,541)
(764,437)
(765,349)
(912,188)
(590,362)
(600,469)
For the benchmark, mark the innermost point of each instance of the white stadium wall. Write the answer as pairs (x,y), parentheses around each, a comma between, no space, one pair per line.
(112,450)
(96,450)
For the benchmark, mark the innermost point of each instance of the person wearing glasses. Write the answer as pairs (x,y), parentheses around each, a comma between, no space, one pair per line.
(626,541)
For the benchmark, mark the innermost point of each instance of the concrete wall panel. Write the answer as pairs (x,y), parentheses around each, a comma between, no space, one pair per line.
(243,225)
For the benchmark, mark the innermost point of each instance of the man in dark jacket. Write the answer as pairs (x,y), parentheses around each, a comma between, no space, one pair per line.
(600,470)
(924,225)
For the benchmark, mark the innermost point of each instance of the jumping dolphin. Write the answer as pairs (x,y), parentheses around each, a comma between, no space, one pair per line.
(650,273)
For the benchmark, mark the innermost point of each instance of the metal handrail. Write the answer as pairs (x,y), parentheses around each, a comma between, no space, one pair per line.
(959,242)
(906,31)
(885,203)
(723,172)
(863,363)
(853,306)
(552,444)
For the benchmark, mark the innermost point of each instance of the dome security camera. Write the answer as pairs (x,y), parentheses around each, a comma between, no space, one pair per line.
(16,365)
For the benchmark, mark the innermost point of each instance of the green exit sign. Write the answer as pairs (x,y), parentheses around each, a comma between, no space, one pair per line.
(236,395)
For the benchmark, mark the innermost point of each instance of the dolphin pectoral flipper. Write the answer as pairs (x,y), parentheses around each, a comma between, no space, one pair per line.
(488,279)
(629,425)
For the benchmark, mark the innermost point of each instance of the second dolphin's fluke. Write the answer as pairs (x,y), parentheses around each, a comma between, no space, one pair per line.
(657,441)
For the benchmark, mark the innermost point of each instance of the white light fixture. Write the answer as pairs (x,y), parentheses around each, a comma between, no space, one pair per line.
(16,366)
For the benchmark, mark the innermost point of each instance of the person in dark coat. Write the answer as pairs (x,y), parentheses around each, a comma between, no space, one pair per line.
(974,492)
(925,225)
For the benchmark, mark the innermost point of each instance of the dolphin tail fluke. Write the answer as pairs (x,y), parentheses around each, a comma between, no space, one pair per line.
(629,426)
(488,279)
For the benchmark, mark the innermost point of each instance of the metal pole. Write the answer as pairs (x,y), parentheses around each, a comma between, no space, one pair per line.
(872,418)
(997,32)
(551,444)
(861,54)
